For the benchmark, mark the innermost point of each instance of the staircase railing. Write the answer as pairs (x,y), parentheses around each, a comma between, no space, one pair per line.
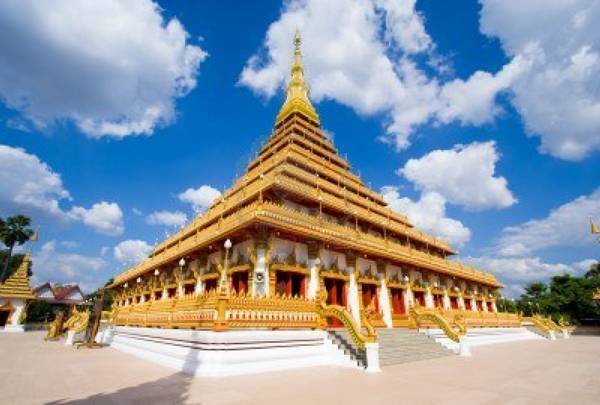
(454,331)
(541,324)
(360,339)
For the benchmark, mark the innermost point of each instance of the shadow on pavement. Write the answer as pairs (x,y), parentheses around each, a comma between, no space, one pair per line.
(173,389)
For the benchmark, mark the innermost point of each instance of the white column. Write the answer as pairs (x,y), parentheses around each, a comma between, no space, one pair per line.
(446,300)
(428,298)
(385,304)
(260,286)
(494,307)
(409,298)
(461,302)
(199,287)
(180,291)
(473,304)
(313,282)
(484,305)
(353,297)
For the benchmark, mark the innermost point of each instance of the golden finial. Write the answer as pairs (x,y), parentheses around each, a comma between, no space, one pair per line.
(297,89)
(297,41)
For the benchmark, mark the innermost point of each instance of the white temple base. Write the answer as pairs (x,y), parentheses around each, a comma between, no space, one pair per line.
(70,338)
(208,353)
(13,328)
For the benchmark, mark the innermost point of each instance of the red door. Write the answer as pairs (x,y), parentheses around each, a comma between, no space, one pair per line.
(239,282)
(398,301)
(453,302)
(336,295)
(419,298)
(369,293)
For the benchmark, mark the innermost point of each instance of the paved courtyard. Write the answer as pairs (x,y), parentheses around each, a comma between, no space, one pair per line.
(539,372)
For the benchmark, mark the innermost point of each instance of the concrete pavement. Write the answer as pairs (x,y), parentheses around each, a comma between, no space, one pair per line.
(564,371)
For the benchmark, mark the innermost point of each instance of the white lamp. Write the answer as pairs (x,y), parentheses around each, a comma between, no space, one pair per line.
(182,262)
(227,244)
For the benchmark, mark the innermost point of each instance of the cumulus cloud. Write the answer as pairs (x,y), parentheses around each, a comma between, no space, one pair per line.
(131,252)
(51,264)
(566,225)
(463,175)
(113,68)
(104,217)
(29,186)
(167,218)
(200,198)
(558,96)
(515,272)
(369,61)
(27,182)
(428,214)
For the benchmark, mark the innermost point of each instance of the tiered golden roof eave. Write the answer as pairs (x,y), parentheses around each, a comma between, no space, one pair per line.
(17,284)
(300,162)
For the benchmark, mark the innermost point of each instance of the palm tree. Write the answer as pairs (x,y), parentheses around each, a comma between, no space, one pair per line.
(13,232)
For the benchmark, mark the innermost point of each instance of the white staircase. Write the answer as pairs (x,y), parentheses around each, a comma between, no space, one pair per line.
(483,336)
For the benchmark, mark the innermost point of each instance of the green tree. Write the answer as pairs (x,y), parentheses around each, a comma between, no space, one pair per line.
(14,231)
(565,295)
(40,311)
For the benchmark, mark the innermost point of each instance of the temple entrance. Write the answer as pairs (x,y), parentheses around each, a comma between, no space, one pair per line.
(188,288)
(171,292)
(490,307)
(369,297)
(157,295)
(479,305)
(210,285)
(419,298)
(288,283)
(239,282)
(398,307)
(4,314)
(336,295)
(453,302)
(468,304)
(438,301)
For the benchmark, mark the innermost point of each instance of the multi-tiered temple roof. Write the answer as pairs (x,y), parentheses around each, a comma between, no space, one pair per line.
(16,284)
(301,187)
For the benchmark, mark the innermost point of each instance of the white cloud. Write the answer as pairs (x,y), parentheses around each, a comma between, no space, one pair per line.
(368,60)
(516,272)
(104,217)
(29,186)
(428,214)
(558,96)
(28,183)
(131,252)
(136,211)
(200,198)
(50,264)
(167,218)
(566,225)
(113,68)
(463,175)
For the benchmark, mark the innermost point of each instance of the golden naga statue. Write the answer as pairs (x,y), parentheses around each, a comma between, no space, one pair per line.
(78,321)
(56,327)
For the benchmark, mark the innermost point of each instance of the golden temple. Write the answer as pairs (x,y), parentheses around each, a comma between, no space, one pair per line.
(15,292)
(297,242)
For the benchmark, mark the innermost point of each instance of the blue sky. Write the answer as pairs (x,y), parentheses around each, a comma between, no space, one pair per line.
(479,120)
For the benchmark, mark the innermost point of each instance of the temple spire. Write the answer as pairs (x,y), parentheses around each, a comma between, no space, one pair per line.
(297,89)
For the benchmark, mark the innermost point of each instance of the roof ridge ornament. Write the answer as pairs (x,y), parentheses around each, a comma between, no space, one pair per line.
(297,90)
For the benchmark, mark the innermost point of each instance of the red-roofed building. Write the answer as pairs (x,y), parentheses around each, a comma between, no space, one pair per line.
(59,294)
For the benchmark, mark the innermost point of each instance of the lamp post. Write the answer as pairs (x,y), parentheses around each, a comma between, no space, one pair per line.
(221,323)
